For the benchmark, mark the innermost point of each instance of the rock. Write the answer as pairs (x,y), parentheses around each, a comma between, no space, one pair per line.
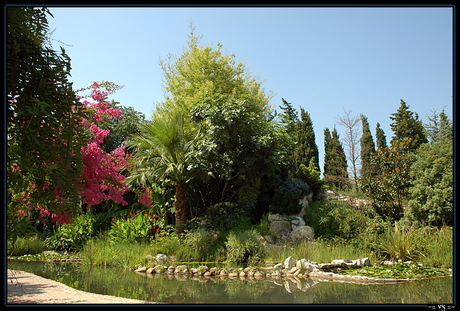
(301,233)
(297,221)
(150,270)
(278,266)
(233,275)
(193,270)
(141,269)
(242,274)
(269,239)
(292,270)
(259,274)
(280,227)
(161,258)
(365,262)
(171,269)
(203,269)
(207,273)
(305,265)
(288,263)
(223,272)
(181,269)
(159,268)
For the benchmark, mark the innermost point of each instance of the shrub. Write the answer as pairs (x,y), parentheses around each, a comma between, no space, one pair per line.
(223,216)
(332,218)
(244,246)
(199,240)
(71,237)
(287,196)
(432,194)
(133,228)
(399,243)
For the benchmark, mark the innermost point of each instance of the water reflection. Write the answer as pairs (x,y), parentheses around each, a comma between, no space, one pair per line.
(199,290)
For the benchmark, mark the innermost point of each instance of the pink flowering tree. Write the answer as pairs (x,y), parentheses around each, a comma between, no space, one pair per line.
(100,178)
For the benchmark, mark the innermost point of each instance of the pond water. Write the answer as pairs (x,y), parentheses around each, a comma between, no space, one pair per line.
(185,290)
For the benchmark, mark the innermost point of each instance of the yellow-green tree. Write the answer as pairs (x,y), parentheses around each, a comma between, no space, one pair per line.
(206,70)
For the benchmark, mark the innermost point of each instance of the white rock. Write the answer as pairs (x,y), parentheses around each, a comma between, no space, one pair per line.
(289,263)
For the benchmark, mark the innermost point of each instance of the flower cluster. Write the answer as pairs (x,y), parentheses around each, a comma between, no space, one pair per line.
(145,198)
(101,179)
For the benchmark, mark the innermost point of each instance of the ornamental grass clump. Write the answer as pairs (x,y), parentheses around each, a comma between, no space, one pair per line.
(399,243)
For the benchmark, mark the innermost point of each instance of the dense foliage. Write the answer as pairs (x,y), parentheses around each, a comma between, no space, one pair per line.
(214,160)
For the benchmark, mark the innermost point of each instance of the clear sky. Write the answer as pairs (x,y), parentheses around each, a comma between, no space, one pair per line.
(363,59)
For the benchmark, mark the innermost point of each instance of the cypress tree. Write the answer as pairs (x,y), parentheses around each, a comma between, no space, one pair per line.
(306,147)
(367,146)
(407,125)
(335,161)
(380,137)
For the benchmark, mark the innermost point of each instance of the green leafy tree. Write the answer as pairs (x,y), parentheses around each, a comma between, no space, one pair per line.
(163,153)
(203,70)
(432,194)
(335,162)
(391,184)
(43,114)
(380,137)
(406,124)
(238,149)
(367,147)
(121,129)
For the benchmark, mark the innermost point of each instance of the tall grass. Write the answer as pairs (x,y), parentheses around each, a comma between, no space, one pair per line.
(320,251)
(25,246)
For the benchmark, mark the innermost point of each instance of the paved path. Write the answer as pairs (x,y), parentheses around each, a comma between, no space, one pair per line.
(28,288)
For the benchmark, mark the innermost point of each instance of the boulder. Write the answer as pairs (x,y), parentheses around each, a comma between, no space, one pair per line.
(161,258)
(297,221)
(277,266)
(269,239)
(289,263)
(305,265)
(365,262)
(150,270)
(301,233)
(280,227)
(141,269)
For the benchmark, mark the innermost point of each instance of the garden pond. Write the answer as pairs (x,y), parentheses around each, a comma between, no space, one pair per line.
(185,290)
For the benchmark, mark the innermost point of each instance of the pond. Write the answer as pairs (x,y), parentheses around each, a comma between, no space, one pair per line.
(185,290)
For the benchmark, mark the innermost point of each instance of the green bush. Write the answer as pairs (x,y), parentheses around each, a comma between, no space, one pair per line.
(71,237)
(223,216)
(287,196)
(133,228)
(332,218)
(199,240)
(432,193)
(244,246)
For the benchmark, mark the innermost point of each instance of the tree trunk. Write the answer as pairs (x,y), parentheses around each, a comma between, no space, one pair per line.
(180,207)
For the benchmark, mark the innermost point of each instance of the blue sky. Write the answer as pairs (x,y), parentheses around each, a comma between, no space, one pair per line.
(321,59)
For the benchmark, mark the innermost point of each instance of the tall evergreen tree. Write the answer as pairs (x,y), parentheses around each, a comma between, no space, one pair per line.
(439,127)
(289,116)
(406,124)
(306,146)
(367,146)
(380,137)
(289,119)
(335,161)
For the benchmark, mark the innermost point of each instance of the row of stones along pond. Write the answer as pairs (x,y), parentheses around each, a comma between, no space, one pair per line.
(290,268)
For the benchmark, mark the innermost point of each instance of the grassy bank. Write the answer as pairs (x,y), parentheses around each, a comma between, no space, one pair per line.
(428,246)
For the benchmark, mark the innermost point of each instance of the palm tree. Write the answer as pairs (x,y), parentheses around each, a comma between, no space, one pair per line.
(163,152)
